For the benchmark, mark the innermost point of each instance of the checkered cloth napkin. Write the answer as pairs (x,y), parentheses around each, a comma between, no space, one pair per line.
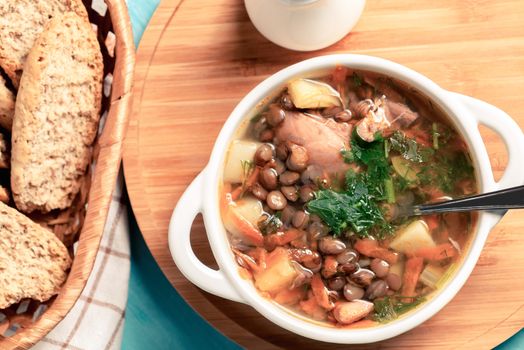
(96,321)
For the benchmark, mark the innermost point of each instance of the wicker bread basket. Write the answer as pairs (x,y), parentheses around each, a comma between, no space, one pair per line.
(111,20)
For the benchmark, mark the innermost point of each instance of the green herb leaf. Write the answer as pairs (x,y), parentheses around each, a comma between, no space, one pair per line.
(354,209)
(409,148)
(446,170)
(256,118)
(270,224)
(347,155)
(390,190)
(375,187)
(400,183)
(370,154)
(357,79)
(389,308)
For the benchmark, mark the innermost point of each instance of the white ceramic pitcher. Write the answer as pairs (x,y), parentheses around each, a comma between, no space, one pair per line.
(304,25)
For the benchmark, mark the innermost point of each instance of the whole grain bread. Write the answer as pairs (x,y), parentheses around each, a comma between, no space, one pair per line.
(7,103)
(21,22)
(56,115)
(33,262)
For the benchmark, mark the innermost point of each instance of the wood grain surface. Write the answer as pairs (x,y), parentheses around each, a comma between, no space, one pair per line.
(198,58)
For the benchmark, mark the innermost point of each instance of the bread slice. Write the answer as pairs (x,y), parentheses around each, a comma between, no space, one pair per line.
(7,104)
(33,262)
(56,115)
(21,22)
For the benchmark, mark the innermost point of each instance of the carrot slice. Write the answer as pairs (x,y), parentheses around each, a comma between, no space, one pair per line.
(330,266)
(437,253)
(225,198)
(321,293)
(252,233)
(250,181)
(371,248)
(412,271)
(283,238)
(247,229)
(432,221)
(439,233)
(247,261)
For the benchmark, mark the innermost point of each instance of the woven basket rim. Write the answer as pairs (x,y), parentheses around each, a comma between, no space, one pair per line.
(103,184)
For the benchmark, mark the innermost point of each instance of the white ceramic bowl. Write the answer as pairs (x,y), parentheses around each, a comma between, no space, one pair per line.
(202,196)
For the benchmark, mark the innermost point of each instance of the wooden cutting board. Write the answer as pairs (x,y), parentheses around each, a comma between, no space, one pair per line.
(198,58)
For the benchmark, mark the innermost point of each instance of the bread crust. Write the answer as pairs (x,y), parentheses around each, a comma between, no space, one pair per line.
(33,261)
(56,115)
(21,22)
(7,105)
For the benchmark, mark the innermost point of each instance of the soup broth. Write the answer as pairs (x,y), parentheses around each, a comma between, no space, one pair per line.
(314,191)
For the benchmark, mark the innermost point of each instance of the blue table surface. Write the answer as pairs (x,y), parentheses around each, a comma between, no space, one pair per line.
(157,317)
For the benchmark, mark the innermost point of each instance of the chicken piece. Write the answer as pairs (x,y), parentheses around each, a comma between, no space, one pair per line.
(382,116)
(375,122)
(323,139)
(399,114)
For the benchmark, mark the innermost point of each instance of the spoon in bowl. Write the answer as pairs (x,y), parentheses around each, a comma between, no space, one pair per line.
(508,198)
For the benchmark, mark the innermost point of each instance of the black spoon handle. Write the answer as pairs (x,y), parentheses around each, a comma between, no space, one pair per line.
(509,198)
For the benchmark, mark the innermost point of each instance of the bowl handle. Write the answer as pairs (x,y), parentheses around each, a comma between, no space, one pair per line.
(187,208)
(510,132)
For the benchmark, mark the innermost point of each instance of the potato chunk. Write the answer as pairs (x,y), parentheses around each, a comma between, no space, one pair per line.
(307,93)
(404,168)
(279,273)
(412,237)
(250,208)
(240,154)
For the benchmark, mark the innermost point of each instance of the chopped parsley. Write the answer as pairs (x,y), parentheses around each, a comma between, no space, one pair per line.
(389,308)
(374,156)
(400,183)
(269,224)
(445,171)
(355,209)
(370,154)
(256,118)
(357,79)
(409,148)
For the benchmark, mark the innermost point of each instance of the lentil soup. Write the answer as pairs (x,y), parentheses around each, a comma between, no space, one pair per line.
(313,187)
